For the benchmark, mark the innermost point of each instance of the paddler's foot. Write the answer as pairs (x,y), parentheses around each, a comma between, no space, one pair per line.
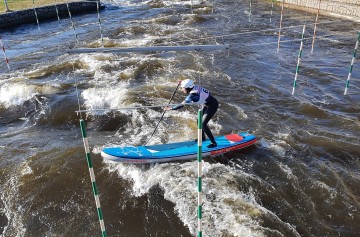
(212,145)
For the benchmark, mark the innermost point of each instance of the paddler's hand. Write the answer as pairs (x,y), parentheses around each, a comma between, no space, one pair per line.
(167,108)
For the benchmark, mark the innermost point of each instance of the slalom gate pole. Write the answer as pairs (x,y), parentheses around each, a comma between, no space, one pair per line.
(352,65)
(299,59)
(36,15)
(72,22)
(3,49)
(92,177)
(316,20)
(57,11)
(272,6)
(99,21)
(199,157)
(281,18)
(250,12)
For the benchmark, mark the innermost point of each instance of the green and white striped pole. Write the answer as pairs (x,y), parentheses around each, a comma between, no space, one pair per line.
(299,59)
(352,65)
(199,156)
(199,172)
(99,21)
(92,176)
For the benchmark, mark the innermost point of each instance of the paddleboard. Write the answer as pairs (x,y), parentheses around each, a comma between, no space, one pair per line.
(177,151)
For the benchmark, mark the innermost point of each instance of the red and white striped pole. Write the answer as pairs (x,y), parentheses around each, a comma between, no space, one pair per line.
(3,49)
(316,20)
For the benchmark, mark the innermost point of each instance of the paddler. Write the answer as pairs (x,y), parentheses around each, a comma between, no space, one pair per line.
(199,95)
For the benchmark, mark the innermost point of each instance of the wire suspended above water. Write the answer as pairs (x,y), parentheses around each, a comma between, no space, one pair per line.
(129,108)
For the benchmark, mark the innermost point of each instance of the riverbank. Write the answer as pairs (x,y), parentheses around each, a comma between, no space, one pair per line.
(344,9)
(16,18)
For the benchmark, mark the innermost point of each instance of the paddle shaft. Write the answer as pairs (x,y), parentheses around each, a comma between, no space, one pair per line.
(157,125)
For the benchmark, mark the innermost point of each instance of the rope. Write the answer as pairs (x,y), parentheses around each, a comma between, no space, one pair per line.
(162,114)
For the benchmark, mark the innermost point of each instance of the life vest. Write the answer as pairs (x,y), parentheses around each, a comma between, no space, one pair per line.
(203,94)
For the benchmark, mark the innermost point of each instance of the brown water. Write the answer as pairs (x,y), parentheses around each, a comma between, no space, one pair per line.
(301,178)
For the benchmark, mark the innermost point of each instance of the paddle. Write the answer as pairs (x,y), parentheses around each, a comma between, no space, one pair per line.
(162,114)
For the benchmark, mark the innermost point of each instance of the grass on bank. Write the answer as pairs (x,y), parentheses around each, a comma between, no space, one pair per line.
(15,5)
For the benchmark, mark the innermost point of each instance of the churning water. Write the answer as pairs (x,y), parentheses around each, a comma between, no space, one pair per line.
(301,179)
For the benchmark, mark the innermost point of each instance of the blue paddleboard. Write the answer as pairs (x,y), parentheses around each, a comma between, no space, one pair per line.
(177,151)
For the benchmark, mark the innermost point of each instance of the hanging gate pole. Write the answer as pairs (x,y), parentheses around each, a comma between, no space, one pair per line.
(99,21)
(199,156)
(299,59)
(36,15)
(281,18)
(316,20)
(3,50)
(352,65)
(6,6)
(72,22)
(92,177)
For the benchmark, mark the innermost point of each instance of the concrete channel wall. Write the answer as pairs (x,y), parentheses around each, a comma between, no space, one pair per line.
(13,19)
(345,9)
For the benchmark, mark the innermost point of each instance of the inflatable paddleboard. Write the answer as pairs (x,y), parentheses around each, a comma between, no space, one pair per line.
(177,151)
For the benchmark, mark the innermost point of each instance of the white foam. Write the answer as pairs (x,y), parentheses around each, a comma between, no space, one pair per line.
(186,3)
(12,210)
(26,169)
(241,112)
(276,147)
(287,170)
(17,93)
(225,208)
(282,135)
(98,98)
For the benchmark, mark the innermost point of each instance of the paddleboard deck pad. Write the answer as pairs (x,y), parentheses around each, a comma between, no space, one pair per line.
(177,151)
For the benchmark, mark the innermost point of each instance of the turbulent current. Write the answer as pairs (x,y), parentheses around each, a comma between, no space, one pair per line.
(302,178)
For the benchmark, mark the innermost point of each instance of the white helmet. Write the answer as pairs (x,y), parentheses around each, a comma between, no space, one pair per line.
(187,83)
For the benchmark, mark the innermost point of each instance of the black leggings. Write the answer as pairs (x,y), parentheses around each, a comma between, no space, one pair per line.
(208,113)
